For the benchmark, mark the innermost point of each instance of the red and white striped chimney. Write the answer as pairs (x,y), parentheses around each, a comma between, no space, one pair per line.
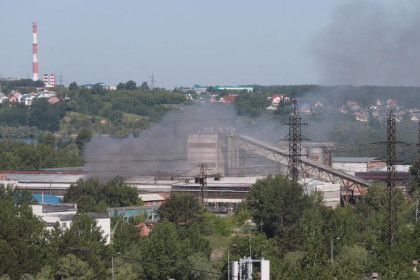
(52,80)
(35,75)
(46,79)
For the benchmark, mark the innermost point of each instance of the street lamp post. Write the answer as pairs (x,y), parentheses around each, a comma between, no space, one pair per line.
(233,245)
(332,249)
(112,266)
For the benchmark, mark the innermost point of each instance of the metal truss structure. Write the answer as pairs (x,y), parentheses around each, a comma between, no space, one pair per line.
(312,168)
(200,179)
(295,142)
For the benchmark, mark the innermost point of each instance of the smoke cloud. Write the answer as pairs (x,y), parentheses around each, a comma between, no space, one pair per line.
(371,43)
(163,147)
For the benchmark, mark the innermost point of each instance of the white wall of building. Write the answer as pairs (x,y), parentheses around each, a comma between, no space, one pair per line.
(64,218)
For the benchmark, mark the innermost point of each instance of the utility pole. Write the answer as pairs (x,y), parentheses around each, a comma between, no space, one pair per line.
(203,182)
(61,80)
(295,142)
(392,206)
(152,82)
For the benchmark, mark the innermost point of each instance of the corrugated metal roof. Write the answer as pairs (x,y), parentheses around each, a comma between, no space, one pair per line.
(46,178)
(151,197)
(354,159)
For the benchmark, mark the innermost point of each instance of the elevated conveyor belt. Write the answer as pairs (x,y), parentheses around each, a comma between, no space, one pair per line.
(308,167)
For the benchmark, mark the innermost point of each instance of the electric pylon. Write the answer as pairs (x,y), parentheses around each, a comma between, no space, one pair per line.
(295,142)
(392,205)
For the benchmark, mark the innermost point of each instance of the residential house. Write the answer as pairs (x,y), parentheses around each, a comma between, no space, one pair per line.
(304,108)
(271,109)
(392,102)
(351,103)
(227,99)
(355,107)
(362,116)
(145,227)
(318,107)
(14,96)
(342,109)
(212,99)
(53,99)
(2,97)
(415,118)
(276,99)
(26,99)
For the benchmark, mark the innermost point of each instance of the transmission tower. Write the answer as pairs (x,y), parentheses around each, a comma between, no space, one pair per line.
(152,82)
(392,205)
(418,139)
(295,142)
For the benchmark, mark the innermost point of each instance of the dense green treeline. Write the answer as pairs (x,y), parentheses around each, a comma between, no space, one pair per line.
(120,113)
(42,115)
(47,153)
(28,251)
(300,236)
(24,85)
(176,248)
(92,196)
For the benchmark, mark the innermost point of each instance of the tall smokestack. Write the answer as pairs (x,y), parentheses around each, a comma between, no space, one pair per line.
(35,76)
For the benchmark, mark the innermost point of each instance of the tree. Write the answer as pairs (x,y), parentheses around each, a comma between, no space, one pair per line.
(277,203)
(44,115)
(71,267)
(126,235)
(83,137)
(144,86)
(21,237)
(201,268)
(116,116)
(415,179)
(84,239)
(162,253)
(93,196)
(130,85)
(121,86)
(47,139)
(182,209)
(73,86)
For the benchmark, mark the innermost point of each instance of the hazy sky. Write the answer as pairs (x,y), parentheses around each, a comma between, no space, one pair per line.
(182,42)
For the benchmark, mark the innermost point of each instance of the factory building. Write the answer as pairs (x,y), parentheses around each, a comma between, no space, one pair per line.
(205,148)
(351,165)
(63,214)
(201,89)
(331,192)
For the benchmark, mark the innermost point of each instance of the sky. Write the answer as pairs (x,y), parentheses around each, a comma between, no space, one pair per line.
(186,42)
